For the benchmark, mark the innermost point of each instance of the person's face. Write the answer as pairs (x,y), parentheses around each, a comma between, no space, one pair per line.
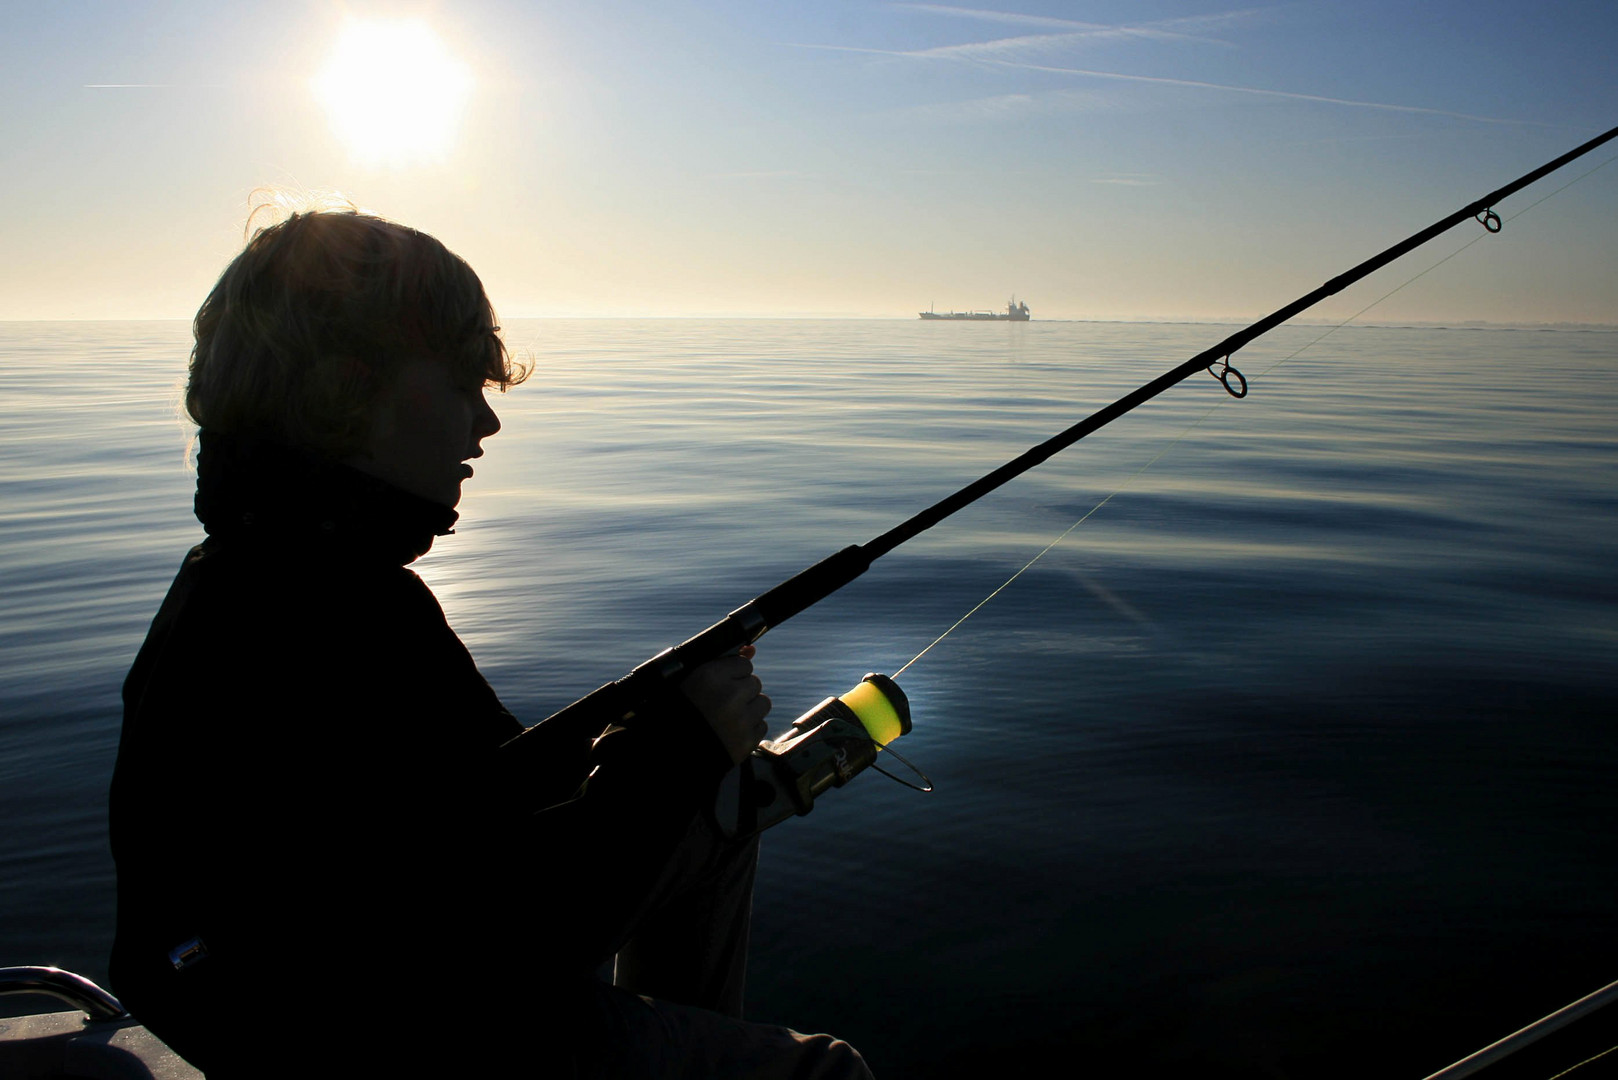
(424,427)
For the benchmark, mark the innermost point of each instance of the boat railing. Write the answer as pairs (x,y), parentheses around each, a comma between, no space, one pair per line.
(106,1043)
(76,990)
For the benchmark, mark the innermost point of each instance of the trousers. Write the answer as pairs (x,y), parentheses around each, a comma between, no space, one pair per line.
(674,1008)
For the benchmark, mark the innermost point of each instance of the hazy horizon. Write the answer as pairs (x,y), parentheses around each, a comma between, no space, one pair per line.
(1234,321)
(1173,161)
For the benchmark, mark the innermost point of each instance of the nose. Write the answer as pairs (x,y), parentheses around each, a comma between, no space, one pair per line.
(485,423)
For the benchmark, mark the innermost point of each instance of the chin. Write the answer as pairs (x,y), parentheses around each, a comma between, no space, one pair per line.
(444,496)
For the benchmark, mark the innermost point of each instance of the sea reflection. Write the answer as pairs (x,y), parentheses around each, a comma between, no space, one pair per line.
(1295,751)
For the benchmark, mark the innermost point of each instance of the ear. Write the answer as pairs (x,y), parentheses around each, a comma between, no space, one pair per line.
(343,390)
(346,370)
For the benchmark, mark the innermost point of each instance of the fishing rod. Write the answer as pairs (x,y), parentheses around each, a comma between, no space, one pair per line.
(551,757)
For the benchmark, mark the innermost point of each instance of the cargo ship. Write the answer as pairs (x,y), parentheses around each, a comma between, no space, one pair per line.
(1015,312)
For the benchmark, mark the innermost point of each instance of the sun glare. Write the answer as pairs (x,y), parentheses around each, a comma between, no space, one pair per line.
(393,92)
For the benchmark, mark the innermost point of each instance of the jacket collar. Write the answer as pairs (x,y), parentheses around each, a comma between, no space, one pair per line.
(258,491)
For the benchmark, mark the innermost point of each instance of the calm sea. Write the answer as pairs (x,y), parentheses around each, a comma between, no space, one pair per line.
(1296,759)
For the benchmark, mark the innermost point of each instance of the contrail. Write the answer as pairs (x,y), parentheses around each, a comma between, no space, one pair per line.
(1163,80)
(1285,94)
(972,50)
(1172,29)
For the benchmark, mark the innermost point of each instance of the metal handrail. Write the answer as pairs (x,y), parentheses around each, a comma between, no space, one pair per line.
(76,990)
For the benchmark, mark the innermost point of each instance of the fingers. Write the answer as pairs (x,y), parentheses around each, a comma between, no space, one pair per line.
(756,707)
(745,687)
(751,706)
(733,666)
(737,689)
(731,697)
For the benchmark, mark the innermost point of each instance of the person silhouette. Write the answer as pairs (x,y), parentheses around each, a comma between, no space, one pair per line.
(325,864)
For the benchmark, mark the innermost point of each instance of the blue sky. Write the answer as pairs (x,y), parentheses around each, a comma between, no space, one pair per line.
(1102,160)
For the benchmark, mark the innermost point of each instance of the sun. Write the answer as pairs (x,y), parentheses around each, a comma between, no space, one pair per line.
(393,92)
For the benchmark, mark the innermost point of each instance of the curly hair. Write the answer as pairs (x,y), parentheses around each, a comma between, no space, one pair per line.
(314,317)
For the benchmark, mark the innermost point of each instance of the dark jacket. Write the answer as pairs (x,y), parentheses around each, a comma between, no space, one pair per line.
(310,784)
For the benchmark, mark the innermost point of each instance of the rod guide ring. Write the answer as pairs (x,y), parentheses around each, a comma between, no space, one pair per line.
(1222,371)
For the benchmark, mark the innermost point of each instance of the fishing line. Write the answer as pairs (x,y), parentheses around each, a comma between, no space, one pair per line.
(1488,232)
(1583,1063)
(552,756)
(1042,552)
(1491,223)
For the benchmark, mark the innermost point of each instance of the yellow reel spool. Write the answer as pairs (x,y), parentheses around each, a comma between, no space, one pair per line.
(882,708)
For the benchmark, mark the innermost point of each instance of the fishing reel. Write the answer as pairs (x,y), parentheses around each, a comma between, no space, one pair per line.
(826,747)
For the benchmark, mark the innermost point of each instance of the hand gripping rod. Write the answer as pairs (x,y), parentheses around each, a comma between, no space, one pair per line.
(538,751)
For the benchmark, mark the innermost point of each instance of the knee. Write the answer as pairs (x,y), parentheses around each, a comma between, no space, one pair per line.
(827,1057)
